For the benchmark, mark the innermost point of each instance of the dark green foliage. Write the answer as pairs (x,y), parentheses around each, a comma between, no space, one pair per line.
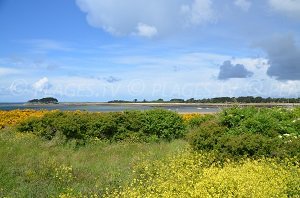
(102,126)
(251,132)
(207,136)
(134,125)
(48,100)
(248,144)
(163,124)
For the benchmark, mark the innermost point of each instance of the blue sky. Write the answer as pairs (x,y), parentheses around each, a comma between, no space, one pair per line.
(99,50)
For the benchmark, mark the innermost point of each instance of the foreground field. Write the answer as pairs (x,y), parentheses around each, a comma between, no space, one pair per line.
(31,167)
(238,153)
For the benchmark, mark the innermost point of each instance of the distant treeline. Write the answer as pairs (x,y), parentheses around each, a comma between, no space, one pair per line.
(47,100)
(242,99)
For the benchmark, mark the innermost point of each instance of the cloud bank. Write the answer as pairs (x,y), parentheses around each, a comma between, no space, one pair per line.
(146,18)
(284,58)
(287,7)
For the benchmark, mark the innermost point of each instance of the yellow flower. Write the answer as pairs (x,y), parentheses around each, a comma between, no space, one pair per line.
(183,175)
(10,118)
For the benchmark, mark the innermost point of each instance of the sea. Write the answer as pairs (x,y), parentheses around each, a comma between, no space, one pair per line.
(107,107)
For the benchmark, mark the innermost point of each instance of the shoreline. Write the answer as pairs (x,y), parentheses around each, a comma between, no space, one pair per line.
(215,105)
(181,108)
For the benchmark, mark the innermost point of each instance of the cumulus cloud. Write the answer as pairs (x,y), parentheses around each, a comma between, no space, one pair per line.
(284,58)
(42,85)
(124,17)
(146,30)
(229,70)
(288,7)
(243,4)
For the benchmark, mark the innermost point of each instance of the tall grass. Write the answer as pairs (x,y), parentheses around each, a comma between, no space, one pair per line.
(32,167)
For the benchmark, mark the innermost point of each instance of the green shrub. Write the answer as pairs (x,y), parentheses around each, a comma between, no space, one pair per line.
(267,121)
(102,126)
(163,124)
(247,144)
(207,136)
(114,126)
(129,124)
(73,125)
(232,117)
(251,132)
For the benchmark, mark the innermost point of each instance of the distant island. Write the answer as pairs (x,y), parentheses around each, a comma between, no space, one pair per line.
(47,100)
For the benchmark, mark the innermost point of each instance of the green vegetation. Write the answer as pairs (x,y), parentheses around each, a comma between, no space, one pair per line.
(240,152)
(32,167)
(250,132)
(145,126)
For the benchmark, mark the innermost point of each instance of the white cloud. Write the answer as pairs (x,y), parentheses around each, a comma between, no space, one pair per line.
(41,85)
(288,7)
(122,17)
(243,4)
(146,30)
(200,11)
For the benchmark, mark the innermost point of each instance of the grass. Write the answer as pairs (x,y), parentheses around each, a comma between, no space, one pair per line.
(31,167)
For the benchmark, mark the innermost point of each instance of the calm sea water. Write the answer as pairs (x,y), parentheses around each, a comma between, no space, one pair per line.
(106,107)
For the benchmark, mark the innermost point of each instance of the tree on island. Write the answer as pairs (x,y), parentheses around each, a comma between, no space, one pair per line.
(34,101)
(241,99)
(47,100)
(177,100)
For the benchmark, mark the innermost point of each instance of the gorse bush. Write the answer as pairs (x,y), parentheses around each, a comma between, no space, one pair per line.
(196,120)
(252,132)
(134,125)
(10,118)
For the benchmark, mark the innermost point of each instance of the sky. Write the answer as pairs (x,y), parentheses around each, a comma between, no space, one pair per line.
(101,50)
